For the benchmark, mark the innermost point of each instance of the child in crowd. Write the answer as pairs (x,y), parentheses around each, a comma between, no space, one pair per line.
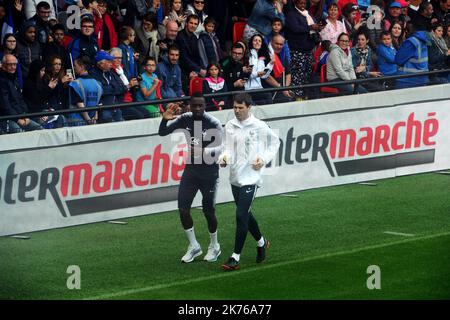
(209,43)
(213,83)
(149,85)
(386,57)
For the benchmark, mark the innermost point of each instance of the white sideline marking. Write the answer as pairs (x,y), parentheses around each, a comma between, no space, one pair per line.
(224,274)
(443,172)
(288,195)
(21,237)
(117,222)
(399,234)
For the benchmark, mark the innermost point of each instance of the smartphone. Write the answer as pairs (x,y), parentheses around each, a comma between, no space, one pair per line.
(69,72)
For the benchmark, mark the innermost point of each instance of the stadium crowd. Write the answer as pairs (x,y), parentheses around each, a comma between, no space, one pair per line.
(61,54)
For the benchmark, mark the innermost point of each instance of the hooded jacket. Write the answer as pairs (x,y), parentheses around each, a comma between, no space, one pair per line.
(26,51)
(339,64)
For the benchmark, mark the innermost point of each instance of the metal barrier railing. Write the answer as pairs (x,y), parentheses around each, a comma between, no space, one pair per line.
(222,94)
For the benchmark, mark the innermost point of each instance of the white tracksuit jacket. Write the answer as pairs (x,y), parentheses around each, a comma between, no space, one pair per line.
(244,142)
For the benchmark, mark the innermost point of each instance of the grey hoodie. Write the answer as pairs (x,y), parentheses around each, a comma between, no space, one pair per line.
(339,64)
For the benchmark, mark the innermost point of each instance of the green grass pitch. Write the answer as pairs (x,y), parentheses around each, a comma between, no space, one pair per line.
(322,244)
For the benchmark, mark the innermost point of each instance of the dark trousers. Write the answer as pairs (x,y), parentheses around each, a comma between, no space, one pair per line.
(245,222)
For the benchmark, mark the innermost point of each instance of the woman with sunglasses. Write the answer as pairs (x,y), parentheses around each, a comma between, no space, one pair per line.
(197,7)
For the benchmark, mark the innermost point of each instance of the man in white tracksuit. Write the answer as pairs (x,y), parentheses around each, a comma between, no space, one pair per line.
(248,146)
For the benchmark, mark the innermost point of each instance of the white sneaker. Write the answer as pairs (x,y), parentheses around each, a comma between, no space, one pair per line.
(191,253)
(212,254)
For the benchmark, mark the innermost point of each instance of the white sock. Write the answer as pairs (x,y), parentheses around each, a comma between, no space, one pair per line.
(190,233)
(236,256)
(260,242)
(214,241)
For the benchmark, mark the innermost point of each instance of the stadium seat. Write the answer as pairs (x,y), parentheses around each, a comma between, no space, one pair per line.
(159,96)
(323,79)
(238,30)
(195,85)
(317,54)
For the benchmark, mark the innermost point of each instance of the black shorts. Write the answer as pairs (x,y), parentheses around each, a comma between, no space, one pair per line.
(191,183)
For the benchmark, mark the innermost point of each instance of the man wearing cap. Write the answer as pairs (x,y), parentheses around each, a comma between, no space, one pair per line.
(113,88)
(394,14)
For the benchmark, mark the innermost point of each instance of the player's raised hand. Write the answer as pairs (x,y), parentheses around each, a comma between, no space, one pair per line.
(258,164)
(171,111)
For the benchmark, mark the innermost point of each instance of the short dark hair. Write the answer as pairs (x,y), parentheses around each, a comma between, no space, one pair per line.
(276,19)
(42,5)
(385,33)
(197,95)
(210,19)
(147,59)
(237,45)
(84,61)
(244,98)
(192,16)
(173,47)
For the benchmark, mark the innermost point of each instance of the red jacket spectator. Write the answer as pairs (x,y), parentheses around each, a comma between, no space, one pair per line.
(105,26)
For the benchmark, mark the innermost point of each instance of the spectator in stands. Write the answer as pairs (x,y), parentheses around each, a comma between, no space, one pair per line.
(394,14)
(438,54)
(277,26)
(41,21)
(113,87)
(129,57)
(261,60)
(135,11)
(39,96)
(176,13)
(340,66)
(316,9)
(334,27)
(412,57)
(18,16)
(85,44)
(169,40)
(362,62)
(105,30)
(9,45)
(147,38)
(91,10)
(169,72)
(28,48)
(148,86)
(11,99)
(30,8)
(281,73)
(386,58)
(57,81)
(299,29)
(447,36)
(197,7)
(214,83)
(56,46)
(398,34)
(261,17)
(424,18)
(191,62)
(350,20)
(442,12)
(210,47)
(233,70)
(84,92)
(132,85)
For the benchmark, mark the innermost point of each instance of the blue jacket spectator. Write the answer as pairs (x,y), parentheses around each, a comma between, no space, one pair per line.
(169,72)
(262,14)
(129,63)
(412,57)
(386,60)
(113,87)
(85,44)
